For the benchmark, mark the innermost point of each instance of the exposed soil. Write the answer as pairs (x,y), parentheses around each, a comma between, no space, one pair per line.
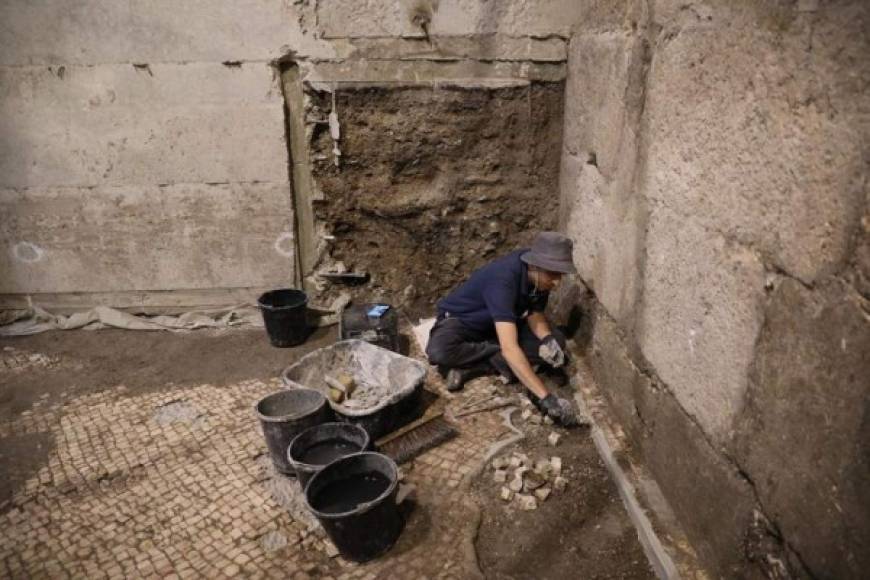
(49,368)
(433,183)
(581,532)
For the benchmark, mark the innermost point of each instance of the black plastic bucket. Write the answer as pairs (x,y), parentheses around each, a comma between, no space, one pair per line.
(354,498)
(284,313)
(287,413)
(318,446)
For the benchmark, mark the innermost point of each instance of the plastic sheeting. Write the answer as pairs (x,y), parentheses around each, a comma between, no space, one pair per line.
(36,319)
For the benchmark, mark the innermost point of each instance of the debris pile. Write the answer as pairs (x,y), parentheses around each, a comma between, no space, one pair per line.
(527,482)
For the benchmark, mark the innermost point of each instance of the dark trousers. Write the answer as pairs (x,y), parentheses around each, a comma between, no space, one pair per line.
(453,345)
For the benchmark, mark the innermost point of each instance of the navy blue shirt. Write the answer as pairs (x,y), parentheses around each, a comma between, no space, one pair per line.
(497,292)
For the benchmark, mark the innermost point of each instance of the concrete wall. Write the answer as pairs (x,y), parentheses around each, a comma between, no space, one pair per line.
(714,169)
(144,144)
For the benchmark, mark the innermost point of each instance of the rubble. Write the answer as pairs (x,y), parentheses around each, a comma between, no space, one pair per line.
(554,439)
(533,481)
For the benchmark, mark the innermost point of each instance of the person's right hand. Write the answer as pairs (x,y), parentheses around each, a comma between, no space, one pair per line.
(559,410)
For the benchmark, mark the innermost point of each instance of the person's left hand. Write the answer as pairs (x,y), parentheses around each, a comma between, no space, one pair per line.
(551,352)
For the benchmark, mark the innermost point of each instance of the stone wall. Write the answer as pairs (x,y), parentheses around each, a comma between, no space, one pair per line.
(145,160)
(714,171)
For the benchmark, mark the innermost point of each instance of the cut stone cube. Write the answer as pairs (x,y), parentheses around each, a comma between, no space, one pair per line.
(500,476)
(516,484)
(548,421)
(543,493)
(532,482)
(515,461)
(543,468)
(556,465)
(506,494)
(560,483)
(554,438)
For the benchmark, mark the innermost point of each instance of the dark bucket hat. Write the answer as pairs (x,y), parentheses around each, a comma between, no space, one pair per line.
(551,251)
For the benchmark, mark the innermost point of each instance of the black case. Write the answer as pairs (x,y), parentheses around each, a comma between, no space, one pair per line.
(382,331)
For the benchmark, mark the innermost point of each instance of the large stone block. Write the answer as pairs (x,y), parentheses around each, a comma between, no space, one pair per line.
(353,19)
(122,125)
(713,503)
(606,218)
(123,238)
(608,232)
(803,437)
(603,102)
(624,385)
(107,31)
(702,311)
(710,498)
(757,125)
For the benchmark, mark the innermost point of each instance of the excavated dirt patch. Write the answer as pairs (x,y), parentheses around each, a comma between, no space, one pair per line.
(432,183)
(580,532)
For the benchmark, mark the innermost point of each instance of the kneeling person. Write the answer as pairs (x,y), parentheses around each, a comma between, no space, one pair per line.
(495,321)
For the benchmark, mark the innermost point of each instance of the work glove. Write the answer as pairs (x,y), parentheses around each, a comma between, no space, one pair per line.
(551,352)
(559,410)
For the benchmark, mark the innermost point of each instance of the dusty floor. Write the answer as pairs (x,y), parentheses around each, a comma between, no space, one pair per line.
(136,454)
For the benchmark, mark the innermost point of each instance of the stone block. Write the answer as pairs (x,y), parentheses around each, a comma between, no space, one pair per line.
(121,125)
(506,494)
(543,493)
(603,102)
(608,233)
(619,378)
(118,238)
(803,435)
(702,311)
(712,501)
(104,31)
(767,144)
(605,216)
(403,18)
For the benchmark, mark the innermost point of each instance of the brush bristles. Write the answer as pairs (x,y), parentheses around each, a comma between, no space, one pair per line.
(419,440)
